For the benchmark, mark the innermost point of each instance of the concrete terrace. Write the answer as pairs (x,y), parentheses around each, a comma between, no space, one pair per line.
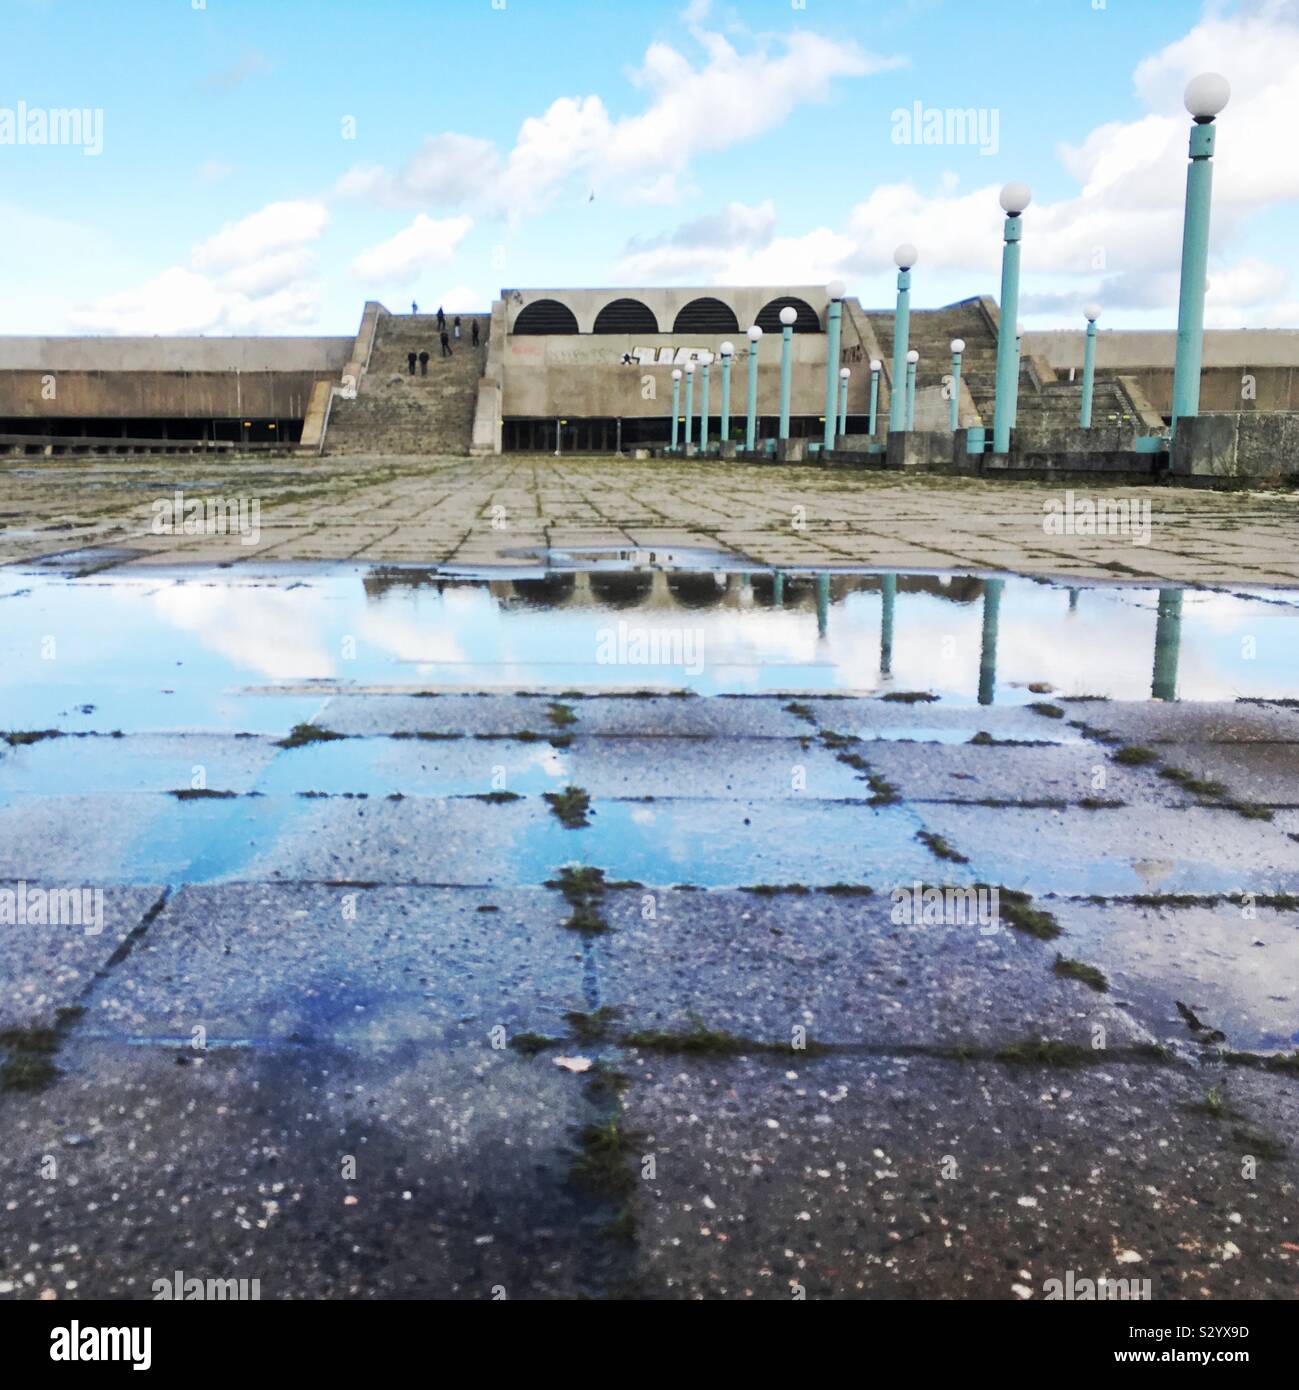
(440,511)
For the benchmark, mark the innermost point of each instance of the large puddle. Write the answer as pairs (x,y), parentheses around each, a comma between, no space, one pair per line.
(138,652)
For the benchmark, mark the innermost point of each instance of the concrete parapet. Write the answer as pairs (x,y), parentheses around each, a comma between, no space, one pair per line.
(1241,445)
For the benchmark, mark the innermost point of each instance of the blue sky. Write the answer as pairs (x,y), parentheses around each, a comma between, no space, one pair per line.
(268,167)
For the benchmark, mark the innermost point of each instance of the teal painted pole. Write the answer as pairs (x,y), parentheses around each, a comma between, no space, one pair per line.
(905,258)
(676,406)
(778,590)
(844,376)
(787,317)
(1089,368)
(834,330)
(1015,197)
(822,604)
(876,368)
(913,358)
(703,414)
(728,351)
(690,399)
(958,347)
(1206,96)
(988,650)
(1168,644)
(751,430)
(889,590)
(1014,384)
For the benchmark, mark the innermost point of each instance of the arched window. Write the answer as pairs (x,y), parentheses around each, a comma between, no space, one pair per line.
(626,316)
(706,316)
(808,321)
(546,316)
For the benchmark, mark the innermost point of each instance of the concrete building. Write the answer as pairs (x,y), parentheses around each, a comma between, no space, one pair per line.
(590,370)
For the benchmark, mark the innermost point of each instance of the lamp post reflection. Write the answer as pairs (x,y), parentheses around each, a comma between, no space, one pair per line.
(822,604)
(1168,642)
(988,651)
(778,590)
(889,590)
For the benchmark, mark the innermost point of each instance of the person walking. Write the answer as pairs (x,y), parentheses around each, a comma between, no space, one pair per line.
(446,344)
(473,333)
(410,362)
(442,319)
(457,328)
(423,362)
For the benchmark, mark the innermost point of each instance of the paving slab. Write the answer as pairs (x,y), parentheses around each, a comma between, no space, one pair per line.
(136,763)
(760,966)
(495,713)
(918,1178)
(232,1167)
(938,721)
(347,966)
(1120,851)
(1068,772)
(1234,964)
(46,966)
(1207,721)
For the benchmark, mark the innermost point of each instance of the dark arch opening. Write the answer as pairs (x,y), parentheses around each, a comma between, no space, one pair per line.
(546,316)
(695,590)
(706,316)
(626,316)
(808,320)
(547,592)
(622,590)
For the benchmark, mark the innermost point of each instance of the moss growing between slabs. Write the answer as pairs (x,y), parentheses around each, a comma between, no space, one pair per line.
(571,806)
(600,1167)
(28,1067)
(302,734)
(1079,970)
(940,848)
(21,738)
(1134,755)
(1017,910)
(1047,710)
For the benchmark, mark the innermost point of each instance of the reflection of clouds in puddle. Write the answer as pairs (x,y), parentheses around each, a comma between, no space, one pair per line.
(275,633)
(641,815)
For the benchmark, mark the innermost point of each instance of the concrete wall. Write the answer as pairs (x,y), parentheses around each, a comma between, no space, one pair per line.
(1243,445)
(585,376)
(158,395)
(1269,357)
(174,354)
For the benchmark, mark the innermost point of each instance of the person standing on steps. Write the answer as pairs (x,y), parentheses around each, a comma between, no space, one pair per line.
(442,319)
(446,344)
(473,333)
(423,362)
(457,328)
(410,362)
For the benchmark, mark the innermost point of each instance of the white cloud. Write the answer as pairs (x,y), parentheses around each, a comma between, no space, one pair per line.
(426,242)
(275,227)
(691,108)
(255,275)
(1117,238)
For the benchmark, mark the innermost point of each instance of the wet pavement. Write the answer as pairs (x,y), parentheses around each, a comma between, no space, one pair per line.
(568,935)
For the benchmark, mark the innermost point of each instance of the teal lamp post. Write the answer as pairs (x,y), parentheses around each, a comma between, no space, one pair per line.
(904,258)
(1168,642)
(1093,312)
(788,316)
(844,377)
(833,328)
(876,368)
(1206,96)
(703,414)
(751,430)
(676,406)
(690,400)
(1014,387)
(913,359)
(1015,197)
(728,351)
(958,347)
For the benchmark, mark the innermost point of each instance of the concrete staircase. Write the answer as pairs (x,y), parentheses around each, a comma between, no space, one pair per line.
(1045,401)
(396,413)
